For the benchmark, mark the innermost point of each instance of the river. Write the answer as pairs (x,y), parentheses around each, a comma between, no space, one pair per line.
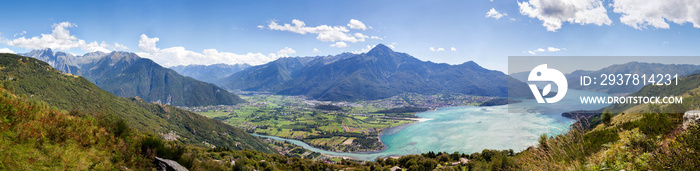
(469,129)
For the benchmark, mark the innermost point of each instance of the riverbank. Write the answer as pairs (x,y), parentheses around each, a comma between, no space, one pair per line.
(385,152)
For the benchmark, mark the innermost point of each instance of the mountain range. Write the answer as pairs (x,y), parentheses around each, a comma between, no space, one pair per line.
(209,73)
(128,75)
(379,73)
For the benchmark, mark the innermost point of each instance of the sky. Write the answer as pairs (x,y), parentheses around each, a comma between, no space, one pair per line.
(443,31)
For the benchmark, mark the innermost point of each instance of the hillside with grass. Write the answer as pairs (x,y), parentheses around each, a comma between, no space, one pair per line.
(66,93)
(34,136)
(37,136)
(629,137)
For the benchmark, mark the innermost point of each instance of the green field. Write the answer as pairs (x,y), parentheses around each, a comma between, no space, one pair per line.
(327,125)
(296,118)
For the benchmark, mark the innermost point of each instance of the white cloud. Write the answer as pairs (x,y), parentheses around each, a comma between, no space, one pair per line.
(375,37)
(436,49)
(148,44)
(364,50)
(6,50)
(554,12)
(391,45)
(495,14)
(539,50)
(453,49)
(339,44)
(61,39)
(361,35)
(357,24)
(316,51)
(642,13)
(286,52)
(173,56)
(324,33)
(20,33)
(261,27)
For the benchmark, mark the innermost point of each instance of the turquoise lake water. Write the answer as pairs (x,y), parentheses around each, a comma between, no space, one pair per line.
(469,129)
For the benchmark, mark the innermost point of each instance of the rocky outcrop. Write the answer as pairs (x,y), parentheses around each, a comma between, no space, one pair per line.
(169,165)
(691,118)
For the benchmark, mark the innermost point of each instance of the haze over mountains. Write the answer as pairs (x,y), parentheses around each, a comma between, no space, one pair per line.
(127,75)
(209,73)
(379,73)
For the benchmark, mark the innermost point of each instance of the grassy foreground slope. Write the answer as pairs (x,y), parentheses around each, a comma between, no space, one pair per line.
(629,137)
(35,137)
(66,92)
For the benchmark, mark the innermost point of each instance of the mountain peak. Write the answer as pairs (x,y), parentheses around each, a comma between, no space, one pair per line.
(380,49)
(41,51)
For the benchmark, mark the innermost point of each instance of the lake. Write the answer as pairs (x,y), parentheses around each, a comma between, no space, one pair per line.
(469,129)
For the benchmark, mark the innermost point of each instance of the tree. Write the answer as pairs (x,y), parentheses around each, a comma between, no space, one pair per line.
(607,117)
(543,141)
(455,155)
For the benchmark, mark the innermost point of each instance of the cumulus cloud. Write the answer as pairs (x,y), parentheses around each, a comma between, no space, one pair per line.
(286,51)
(555,12)
(642,13)
(495,14)
(340,35)
(453,49)
(61,39)
(173,56)
(548,49)
(324,33)
(6,50)
(436,49)
(316,51)
(357,24)
(339,44)
(148,44)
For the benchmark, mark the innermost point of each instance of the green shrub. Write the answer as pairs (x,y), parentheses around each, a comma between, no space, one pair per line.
(682,154)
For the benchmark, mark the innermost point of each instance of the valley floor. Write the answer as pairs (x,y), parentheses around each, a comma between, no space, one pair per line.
(333,126)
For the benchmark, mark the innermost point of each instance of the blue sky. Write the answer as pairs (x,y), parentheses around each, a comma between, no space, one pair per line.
(207,32)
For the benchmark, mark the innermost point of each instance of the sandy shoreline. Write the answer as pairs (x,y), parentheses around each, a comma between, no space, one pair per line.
(419,119)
